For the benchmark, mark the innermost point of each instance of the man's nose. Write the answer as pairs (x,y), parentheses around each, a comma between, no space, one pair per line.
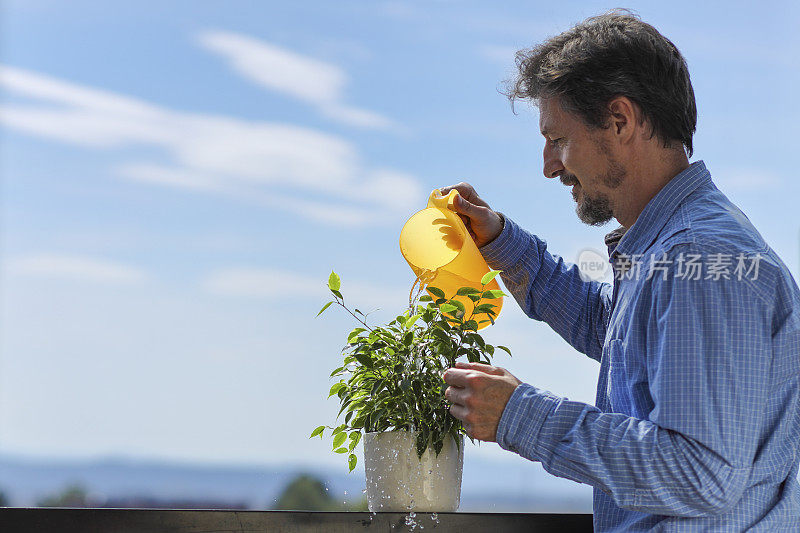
(552,164)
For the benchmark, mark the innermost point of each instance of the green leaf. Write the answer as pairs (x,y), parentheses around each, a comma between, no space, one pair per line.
(354,335)
(448,308)
(317,431)
(504,349)
(489,276)
(477,339)
(339,439)
(379,384)
(441,334)
(466,291)
(324,307)
(492,294)
(341,450)
(352,460)
(439,293)
(470,325)
(408,338)
(484,308)
(422,442)
(336,388)
(438,444)
(338,295)
(425,298)
(458,305)
(411,320)
(334,282)
(365,360)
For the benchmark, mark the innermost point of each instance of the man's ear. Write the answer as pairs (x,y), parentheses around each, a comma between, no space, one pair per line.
(624,118)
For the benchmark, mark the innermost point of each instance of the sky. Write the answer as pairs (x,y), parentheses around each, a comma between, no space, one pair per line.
(179,178)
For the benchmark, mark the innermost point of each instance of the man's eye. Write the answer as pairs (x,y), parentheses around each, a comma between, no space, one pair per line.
(556,142)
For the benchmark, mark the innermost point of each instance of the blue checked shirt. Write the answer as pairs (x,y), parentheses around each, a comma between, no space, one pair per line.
(697,420)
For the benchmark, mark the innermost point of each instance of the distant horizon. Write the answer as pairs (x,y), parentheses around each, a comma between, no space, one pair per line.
(30,480)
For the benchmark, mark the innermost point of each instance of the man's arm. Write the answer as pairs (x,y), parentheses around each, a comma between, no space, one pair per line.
(708,358)
(548,288)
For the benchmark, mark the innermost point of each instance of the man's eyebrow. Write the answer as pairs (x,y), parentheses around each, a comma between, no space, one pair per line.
(545,132)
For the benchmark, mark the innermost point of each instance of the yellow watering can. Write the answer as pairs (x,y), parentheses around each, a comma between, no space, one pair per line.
(436,244)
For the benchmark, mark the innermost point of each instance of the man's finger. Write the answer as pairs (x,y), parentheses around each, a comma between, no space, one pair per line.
(454,395)
(465,207)
(480,367)
(456,377)
(459,411)
(465,191)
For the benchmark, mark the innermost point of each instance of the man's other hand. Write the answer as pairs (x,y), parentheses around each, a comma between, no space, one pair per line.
(483,224)
(478,395)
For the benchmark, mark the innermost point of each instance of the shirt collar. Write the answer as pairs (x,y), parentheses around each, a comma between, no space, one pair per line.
(612,238)
(658,210)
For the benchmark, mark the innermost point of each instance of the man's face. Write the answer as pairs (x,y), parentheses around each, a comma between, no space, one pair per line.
(580,157)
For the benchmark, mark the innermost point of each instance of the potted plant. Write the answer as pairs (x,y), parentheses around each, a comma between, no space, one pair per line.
(391,394)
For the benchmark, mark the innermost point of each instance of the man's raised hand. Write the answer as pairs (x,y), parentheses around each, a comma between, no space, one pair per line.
(483,224)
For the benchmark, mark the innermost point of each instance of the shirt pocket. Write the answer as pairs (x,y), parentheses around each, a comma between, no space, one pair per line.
(618,387)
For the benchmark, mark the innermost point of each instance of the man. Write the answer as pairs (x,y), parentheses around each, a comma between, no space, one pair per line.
(697,419)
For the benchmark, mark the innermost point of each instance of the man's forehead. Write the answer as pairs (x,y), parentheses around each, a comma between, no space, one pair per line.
(553,118)
(548,115)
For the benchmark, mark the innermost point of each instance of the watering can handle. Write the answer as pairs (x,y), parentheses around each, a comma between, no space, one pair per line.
(436,199)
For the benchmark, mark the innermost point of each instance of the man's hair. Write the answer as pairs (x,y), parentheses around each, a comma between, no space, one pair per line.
(610,55)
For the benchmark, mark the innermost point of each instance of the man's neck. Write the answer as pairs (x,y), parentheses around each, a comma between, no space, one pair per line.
(644,183)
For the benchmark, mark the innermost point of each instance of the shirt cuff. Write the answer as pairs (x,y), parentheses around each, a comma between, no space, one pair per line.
(507,249)
(522,419)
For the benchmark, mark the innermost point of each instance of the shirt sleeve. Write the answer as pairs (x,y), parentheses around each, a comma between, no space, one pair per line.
(549,289)
(709,352)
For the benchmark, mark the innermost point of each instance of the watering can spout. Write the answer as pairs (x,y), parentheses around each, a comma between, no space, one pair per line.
(439,249)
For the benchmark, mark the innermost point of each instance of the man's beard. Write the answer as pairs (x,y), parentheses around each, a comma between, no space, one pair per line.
(596,210)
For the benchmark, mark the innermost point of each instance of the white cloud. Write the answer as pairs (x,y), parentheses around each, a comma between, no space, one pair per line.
(250,282)
(298,76)
(76,268)
(357,117)
(301,170)
(262,283)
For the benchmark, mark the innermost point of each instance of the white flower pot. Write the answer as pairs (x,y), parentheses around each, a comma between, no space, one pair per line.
(398,481)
